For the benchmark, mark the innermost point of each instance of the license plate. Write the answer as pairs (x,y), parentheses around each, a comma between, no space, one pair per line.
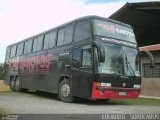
(122,93)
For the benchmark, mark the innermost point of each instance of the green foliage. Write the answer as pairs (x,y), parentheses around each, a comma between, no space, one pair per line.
(140,101)
(1,71)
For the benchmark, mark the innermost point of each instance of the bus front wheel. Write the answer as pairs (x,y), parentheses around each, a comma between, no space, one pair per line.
(65,91)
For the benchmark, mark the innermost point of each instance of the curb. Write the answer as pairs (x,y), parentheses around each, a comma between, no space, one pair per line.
(150,97)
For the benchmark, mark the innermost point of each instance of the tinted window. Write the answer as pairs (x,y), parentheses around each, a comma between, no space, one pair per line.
(25,47)
(13,51)
(113,30)
(60,37)
(82,30)
(86,58)
(46,41)
(8,53)
(29,46)
(20,48)
(52,41)
(35,44)
(76,57)
(39,42)
(68,34)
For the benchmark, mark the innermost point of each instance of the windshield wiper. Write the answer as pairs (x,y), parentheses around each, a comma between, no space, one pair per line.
(131,68)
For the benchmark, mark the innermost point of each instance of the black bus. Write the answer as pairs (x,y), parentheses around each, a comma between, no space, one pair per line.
(90,57)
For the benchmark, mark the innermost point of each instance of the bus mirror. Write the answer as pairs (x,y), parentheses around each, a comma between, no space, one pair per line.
(151,58)
(101,52)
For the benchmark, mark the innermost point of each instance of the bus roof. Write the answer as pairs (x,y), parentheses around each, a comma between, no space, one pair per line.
(75,20)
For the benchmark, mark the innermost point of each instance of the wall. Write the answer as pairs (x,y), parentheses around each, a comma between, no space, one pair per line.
(150,86)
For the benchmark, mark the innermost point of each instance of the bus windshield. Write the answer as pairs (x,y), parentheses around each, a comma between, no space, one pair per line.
(113,59)
(119,60)
(112,30)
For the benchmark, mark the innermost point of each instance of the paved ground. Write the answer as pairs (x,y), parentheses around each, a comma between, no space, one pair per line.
(27,103)
(3,87)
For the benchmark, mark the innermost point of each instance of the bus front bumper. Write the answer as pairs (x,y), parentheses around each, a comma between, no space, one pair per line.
(114,92)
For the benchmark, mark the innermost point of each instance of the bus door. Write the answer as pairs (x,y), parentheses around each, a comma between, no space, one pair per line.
(82,71)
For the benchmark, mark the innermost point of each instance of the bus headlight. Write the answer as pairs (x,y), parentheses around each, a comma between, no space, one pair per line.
(136,86)
(106,84)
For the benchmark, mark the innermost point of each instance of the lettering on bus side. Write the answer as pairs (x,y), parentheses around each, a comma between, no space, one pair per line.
(33,65)
(12,65)
(114,29)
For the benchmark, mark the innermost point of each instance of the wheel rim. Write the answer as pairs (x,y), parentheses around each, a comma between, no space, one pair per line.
(65,90)
(17,84)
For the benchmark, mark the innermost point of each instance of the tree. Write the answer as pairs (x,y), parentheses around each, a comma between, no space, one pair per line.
(1,71)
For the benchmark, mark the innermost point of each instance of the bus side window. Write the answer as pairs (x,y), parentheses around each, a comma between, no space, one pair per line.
(65,35)
(82,30)
(25,47)
(35,44)
(87,59)
(46,41)
(40,42)
(20,48)
(60,37)
(8,53)
(68,34)
(76,58)
(52,41)
(29,46)
(13,50)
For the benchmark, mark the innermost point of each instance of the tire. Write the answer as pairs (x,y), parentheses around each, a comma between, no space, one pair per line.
(65,91)
(12,84)
(23,89)
(17,87)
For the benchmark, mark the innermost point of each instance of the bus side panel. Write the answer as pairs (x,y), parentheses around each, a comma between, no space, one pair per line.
(42,71)
(57,69)
(22,72)
(36,72)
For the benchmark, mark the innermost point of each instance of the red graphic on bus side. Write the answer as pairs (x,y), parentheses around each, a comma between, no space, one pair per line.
(107,27)
(35,65)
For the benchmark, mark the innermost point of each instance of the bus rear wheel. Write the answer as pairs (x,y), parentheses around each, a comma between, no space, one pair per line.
(12,84)
(65,91)
(17,87)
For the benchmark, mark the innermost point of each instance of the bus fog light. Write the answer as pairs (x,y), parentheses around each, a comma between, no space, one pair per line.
(106,84)
(137,86)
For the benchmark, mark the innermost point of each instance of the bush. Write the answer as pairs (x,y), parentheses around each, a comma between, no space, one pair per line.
(1,72)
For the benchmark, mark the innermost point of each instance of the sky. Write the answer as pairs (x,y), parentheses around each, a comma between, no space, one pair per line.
(20,19)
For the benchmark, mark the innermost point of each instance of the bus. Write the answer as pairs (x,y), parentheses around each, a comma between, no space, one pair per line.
(90,57)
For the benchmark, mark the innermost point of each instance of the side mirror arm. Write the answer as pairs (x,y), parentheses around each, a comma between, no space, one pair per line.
(101,52)
(151,58)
